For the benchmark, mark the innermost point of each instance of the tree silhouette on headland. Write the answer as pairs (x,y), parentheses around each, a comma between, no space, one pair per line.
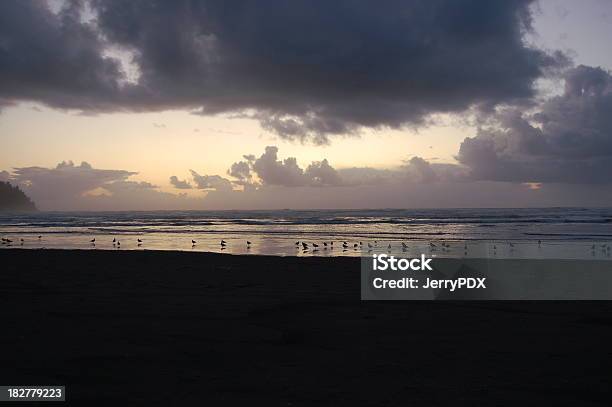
(13,199)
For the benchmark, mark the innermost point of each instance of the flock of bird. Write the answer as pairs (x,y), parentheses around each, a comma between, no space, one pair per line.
(370,246)
(314,246)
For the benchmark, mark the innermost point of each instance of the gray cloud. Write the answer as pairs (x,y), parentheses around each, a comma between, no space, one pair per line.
(83,187)
(321,173)
(241,170)
(211,182)
(65,182)
(569,138)
(179,184)
(271,171)
(307,69)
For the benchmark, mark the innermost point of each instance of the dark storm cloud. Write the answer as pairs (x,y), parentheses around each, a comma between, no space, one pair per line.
(568,140)
(306,69)
(55,59)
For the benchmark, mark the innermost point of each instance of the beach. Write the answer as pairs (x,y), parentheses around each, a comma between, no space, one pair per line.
(172,328)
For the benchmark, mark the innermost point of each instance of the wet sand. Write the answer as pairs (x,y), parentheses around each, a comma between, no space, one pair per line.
(176,328)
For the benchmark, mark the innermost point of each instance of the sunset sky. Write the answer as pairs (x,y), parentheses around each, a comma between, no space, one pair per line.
(394,104)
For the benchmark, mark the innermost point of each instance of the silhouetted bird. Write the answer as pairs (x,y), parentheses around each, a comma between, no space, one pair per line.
(248,243)
(139,241)
(93,240)
(193,242)
(315,245)
(297,243)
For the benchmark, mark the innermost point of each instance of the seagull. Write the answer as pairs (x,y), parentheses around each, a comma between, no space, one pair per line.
(93,241)
(305,245)
(193,242)
(325,244)
(114,240)
(389,247)
(223,242)
(315,245)
(297,243)
(539,242)
(355,245)
(248,244)
(344,245)
(139,241)
(119,243)
(404,245)
(22,241)
(432,245)
(40,236)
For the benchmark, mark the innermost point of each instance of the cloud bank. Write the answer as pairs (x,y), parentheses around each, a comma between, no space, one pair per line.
(568,139)
(83,187)
(306,69)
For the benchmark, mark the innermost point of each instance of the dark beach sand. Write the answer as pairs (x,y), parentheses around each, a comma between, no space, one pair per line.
(168,328)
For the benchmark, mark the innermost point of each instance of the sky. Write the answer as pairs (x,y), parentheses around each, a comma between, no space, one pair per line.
(107,105)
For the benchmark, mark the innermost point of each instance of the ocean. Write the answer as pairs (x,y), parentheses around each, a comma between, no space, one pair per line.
(562,232)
